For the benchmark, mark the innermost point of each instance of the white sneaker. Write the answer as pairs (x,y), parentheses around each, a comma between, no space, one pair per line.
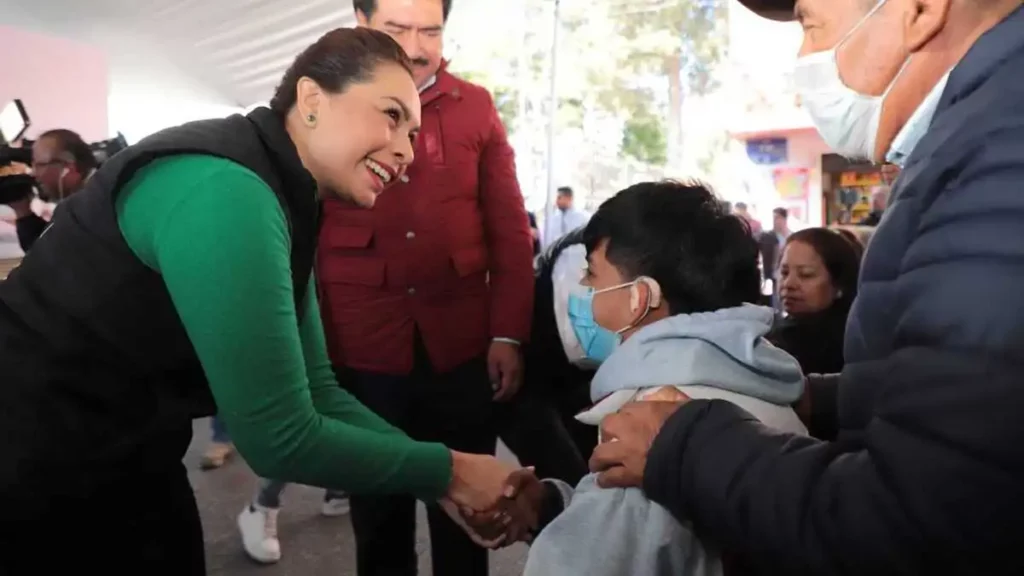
(258,527)
(335,507)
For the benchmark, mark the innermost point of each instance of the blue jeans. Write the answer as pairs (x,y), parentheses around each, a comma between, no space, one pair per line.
(220,432)
(268,494)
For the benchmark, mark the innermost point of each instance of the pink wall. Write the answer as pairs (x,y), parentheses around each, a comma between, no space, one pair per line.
(64,84)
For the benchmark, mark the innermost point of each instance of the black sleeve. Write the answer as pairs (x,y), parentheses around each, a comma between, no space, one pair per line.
(824,392)
(933,483)
(29,228)
(551,506)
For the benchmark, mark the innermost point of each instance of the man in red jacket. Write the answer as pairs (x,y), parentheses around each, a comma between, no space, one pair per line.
(426,298)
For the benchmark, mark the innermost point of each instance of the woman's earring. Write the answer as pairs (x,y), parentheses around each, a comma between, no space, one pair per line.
(839,294)
(311,119)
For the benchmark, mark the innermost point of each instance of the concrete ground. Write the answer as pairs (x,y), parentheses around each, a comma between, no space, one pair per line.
(312,545)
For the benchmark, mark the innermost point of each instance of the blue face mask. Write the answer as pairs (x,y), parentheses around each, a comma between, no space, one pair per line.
(598,343)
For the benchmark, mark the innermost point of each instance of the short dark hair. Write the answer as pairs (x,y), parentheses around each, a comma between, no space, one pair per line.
(841,259)
(781,212)
(72,149)
(565,191)
(368,7)
(340,58)
(679,234)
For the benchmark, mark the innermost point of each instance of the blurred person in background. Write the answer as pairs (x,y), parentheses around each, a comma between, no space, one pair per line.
(879,200)
(817,285)
(179,283)
(426,299)
(62,163)
(927,473)
(741,210)
(770,243)
(535,232)
(566,218)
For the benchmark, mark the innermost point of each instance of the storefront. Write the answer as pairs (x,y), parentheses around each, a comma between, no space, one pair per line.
(784,170)
(846,188)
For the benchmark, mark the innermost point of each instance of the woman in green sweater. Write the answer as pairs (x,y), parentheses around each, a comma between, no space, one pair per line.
(184,269)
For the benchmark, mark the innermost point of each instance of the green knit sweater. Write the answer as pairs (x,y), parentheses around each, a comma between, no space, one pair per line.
(216,233)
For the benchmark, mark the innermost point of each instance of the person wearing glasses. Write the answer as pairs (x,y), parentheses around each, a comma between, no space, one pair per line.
(61,163)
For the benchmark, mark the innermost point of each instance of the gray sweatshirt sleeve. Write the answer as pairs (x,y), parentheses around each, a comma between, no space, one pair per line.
(617,532)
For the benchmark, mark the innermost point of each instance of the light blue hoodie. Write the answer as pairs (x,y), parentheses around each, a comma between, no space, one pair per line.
(720,354)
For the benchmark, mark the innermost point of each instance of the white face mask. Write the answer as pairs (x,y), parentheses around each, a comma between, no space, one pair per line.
(847,120)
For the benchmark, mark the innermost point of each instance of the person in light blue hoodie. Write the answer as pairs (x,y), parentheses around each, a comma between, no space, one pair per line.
(663,306)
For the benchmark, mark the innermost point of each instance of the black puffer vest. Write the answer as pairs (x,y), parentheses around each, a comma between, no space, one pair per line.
(97,373)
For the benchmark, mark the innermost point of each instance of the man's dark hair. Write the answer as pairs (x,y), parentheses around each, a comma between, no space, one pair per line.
(679,234)
(368,7)
(781,212)
(71,148)
(340,58)
(565,191)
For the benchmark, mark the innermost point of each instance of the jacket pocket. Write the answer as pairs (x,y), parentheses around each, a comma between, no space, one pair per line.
(348,237)
(430,147)
(353,270)
(470,261)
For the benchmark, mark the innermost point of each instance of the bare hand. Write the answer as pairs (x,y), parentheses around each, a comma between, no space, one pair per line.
(627,437)
(514,519)
(478,481)
(518,515)
(504,366)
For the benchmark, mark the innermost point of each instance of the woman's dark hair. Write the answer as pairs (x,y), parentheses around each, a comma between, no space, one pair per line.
(840,257)
(679,234)
(340,58)
(854,241)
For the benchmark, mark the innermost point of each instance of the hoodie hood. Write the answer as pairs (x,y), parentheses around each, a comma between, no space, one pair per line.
(700,354)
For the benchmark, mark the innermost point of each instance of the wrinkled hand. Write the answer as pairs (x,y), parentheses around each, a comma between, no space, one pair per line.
(514,519)
(478,481)
(504,366)
(627,437)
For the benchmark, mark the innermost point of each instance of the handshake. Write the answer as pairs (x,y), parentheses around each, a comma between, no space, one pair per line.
(494,503)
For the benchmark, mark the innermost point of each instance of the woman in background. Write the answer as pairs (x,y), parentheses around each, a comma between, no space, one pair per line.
(817,284)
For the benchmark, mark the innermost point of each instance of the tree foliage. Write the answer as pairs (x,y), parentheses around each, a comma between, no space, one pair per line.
(676,44)
(625,63)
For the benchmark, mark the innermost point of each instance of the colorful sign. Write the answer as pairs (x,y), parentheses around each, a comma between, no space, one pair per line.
(792,183)
(860,179)
(767,151)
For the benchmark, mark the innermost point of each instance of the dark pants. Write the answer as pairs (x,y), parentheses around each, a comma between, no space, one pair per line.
(531,426)
(453,409)
(145,523)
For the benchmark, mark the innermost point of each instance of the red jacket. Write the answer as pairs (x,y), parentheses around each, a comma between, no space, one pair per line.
(448,252)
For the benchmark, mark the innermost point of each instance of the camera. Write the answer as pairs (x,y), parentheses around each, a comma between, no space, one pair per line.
(14,122)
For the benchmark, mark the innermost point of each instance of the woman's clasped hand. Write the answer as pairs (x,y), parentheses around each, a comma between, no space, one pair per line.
(496,504)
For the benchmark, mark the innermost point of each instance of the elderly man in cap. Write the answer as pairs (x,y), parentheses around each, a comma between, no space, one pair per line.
(925,474)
